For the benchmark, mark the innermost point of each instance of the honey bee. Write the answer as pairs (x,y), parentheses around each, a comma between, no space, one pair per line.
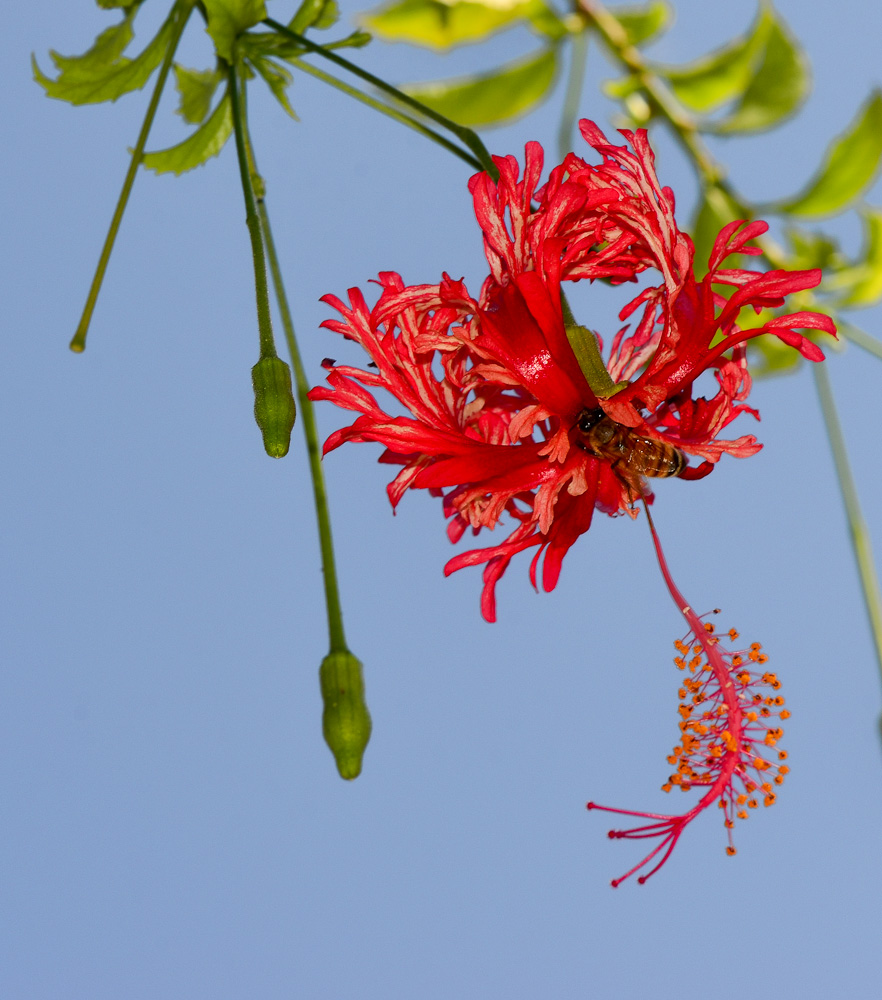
(630,455)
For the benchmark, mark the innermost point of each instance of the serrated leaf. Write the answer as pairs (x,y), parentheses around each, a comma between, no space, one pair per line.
(103,73)
(196,87)
(491,98)
(850,163)
(278,79)
(715,210)
(437,24)
(227,19)
(865,277)
(207,141)
(723,74)
(643,22)
(314,14)
(777,88)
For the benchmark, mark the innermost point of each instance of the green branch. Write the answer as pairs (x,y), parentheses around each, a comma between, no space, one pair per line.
(465,135)
(261,290)
(860,536)
(385,109)
(78,344)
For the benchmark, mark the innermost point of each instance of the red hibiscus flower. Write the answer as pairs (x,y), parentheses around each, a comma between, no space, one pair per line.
(511,410)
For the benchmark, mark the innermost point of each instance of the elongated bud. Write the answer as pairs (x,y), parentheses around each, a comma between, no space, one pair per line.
(346,722)
(274,407)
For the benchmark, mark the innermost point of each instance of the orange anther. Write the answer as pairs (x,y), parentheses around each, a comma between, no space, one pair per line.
(730,850)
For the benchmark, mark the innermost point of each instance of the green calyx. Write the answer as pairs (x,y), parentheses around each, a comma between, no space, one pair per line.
(346,722)
(587,351)
(274,407)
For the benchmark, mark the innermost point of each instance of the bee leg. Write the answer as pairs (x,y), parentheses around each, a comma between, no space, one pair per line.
(626,483)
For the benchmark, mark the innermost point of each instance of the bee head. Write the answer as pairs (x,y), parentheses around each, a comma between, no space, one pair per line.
(589,419)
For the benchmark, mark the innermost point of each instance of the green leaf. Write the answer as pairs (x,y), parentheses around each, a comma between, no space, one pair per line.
(437,24)
(196,88)
(491,98)
(278,79)
(126,4)
(103,73)
(777,88)
(715,210)
(207,141)
(865,277)
(723,74)
(227,19)
(850,163)
(643,22)
(314,14)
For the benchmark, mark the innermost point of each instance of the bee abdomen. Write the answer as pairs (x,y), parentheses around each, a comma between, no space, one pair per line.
(657,459)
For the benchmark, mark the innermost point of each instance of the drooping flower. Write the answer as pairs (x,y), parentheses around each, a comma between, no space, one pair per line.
(505,415)
(728,737)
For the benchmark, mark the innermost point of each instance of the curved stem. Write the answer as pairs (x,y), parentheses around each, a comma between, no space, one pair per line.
(78,343)
(860,536)
(575,81)
(307,421)
(385,109)
(462,133)
(261,291)
(310,431)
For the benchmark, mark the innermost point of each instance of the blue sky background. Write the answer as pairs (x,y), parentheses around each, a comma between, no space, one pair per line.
(172,824)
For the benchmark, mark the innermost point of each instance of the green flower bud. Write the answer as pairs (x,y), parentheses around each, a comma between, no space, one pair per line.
(346,722)
(274,408)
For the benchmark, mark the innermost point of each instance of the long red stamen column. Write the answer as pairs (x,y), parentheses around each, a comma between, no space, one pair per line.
(724,699)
